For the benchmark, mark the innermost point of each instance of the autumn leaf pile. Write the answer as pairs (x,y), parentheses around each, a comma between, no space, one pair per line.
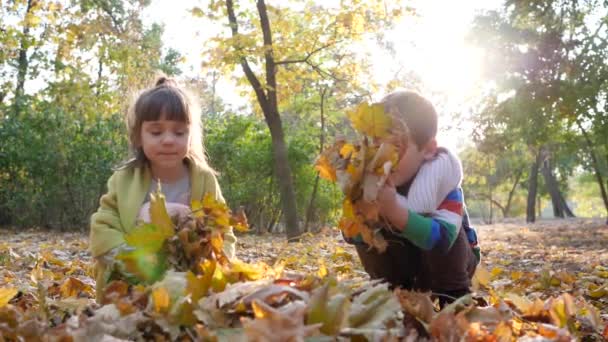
(196,241)
(362,167)
(314,289)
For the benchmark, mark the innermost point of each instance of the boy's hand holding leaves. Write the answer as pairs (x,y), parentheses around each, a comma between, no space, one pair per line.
(362,168)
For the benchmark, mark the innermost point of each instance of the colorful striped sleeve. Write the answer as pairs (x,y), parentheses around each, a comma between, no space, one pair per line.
(439,229)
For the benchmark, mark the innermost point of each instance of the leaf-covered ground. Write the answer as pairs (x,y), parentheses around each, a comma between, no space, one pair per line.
(531,268)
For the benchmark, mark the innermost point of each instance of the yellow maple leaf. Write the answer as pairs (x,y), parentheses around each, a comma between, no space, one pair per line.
(148,237)
(370,120)
(158,213)
(197,286)
(197,209)
(347,150)
(216,209)
(248,271)
(217,242)
(6,294)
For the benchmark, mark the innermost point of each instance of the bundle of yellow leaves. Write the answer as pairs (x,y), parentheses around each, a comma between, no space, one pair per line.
(361,168)
(153,248)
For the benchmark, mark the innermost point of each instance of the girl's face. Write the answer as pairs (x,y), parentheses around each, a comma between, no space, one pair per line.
(165,143)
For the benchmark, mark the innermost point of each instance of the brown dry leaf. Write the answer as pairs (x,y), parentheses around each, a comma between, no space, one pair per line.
(369,210)
(239,221)
(329,305)
(448,327)
(522,303)
(417,304)
(284,324)
(481,277)
(503,332)
(269,294)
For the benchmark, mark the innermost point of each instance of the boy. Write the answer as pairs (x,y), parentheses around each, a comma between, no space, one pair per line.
(428,247)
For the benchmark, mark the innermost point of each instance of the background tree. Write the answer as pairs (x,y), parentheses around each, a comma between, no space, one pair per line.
(535,52)
(284,37)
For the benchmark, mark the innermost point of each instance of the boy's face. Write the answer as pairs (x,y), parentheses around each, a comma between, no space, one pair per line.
(410,159)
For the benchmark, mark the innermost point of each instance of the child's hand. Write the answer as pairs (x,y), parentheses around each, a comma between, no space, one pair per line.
(173,209)
(387,198)
(390,208)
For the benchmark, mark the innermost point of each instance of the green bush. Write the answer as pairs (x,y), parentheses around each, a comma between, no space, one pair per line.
(54,166)
(240,148)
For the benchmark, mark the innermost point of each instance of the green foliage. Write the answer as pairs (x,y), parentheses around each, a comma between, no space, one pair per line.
(240,148)
(54,166)
(547,62)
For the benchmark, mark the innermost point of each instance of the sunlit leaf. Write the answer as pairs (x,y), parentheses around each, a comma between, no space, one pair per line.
(72,287)
(159,215)
(325,168)
(6,294)
(370,119)
(147,237)
(146,266)
(160,298)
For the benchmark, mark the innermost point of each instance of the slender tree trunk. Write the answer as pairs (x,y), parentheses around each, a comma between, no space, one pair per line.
(311,203)
(22,63)
(507,208)
(596,166)
(267,99)
(552,186)
(490,205)
(567,211)
(532,188)
(99,72)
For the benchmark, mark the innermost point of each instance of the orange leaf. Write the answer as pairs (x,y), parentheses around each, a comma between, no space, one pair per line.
(160,297)
(72,287)
(326,170)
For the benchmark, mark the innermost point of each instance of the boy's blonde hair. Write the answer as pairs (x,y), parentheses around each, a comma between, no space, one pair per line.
(416,112)
(166,99)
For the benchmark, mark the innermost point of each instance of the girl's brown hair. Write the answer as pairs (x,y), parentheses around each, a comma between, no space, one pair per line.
(165,100)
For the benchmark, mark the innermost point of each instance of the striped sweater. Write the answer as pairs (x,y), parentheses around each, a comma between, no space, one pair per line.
(435,204)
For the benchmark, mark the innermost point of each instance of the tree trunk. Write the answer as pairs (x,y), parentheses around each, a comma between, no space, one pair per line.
(311,203)
(490,205)
(507,208)
(596,166)
(532,188)
(22,63)
(565,207)
(551,184)
(267,99)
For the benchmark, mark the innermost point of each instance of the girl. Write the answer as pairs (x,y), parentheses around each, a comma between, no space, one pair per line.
(165,140)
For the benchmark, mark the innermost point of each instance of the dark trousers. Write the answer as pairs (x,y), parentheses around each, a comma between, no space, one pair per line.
(407,266)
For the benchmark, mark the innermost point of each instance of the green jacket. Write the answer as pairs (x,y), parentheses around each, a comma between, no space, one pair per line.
(119,207)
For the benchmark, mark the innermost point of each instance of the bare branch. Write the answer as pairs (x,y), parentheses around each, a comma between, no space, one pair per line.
(257,86)
(308,56)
